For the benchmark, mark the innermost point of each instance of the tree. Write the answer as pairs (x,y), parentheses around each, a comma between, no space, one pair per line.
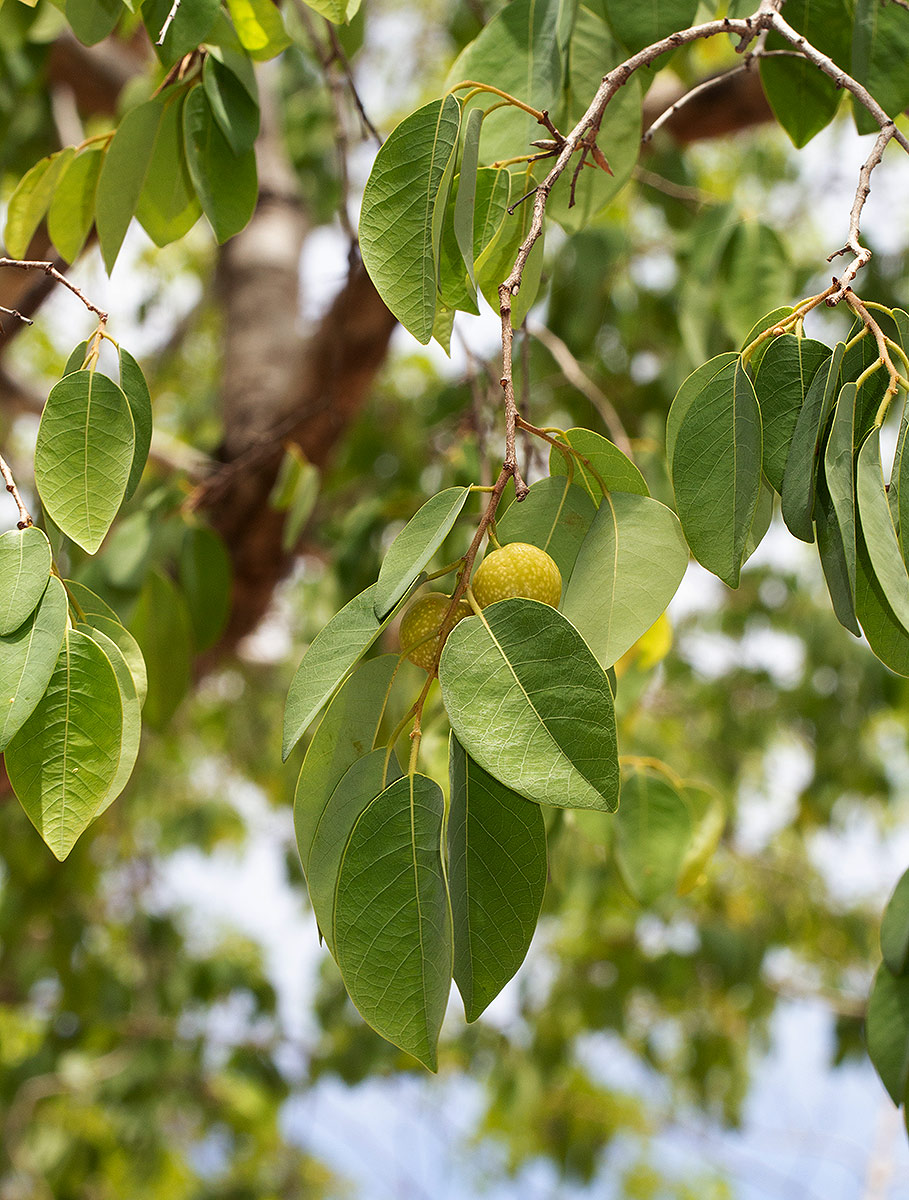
(527,136)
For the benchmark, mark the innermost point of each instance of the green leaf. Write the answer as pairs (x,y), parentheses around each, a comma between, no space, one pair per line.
(767,321)
(708,818)
(135,389)
(27,659)
(884,631)
(403,204)
(345,734)
(393,938)
(224,45)
(518,52)
(168,206)
(465,205)
(554,515)
(31,199)
(652,834)
(226,183)
(887,1031)
(123,174)
(708,385)
(343,642)
(747,294)
(161,626)
(833,558)
(25,563)
(529,702)
(800,476)
(455,289)
(295,492)
(840,474)
(76,360)
(593,52)
(83,455)
(235,110)
(628,568)
(357,788)
(617,471)
(443,326)
(415,545)
(878,529)
(131,733)
(72,210)
(781,385)
(497,261)
(880,48)
(763,515)
(716,471)
(111,628)
(64,759)
(895,928)
(89,603)
(205,578)
(191,25)
(497,876)
(638,25)
(259,27)
(92,20)
(335,10)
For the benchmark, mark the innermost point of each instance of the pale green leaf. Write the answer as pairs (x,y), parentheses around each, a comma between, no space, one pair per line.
(628,568)
(497,876)
(652,835)
(111,628)
(123,174)
(415,545)
(27,658)
(72,210)
(65,757)
(529,702)
(131,733)
(83,455)
(708,819)
(25,563)
(399,221)
(89,603)
(878,529)
(554,515)
(259,27)
(135,389)
(31,200)
(227,184)
(615,469)
(393,938)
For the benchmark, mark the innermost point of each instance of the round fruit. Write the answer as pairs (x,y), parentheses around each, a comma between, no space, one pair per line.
(421,621)
(518,569)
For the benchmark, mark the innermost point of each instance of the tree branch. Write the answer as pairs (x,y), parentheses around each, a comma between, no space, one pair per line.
(53,271)
(24,517)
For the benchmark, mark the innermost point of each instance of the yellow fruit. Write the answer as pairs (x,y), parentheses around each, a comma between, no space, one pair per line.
(421,621)
(518,569)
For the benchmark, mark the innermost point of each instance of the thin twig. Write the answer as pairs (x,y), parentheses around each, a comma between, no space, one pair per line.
(14,312)
(853,245)
(49,269)
(167,23)
(24,516)
(577,377)
(896,380)
(344,63)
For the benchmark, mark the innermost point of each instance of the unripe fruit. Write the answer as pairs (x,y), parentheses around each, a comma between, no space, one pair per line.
(424,618)
(518,569)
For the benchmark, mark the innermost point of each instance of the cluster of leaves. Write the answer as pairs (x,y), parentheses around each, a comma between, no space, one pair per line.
(409,888)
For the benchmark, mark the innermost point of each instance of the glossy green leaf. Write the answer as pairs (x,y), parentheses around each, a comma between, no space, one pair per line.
(134,387)
(72,209)
(123,175)
(191,24)
(497,877)
(593,51)
(131,733)
(653,831)
(800,475)
(161,626)
(782,382)
(839,473)
(83,455)
(887,1031)
(358,787)
(111,628)
(529,702)
(27,658)
(211,161)
(346,733)
(205,578)
(464,209)
(878,529)
(343,642)
(628,568)
(415,545)
(637,25)
(880,49)
(65,757)
(895,928)
(833,558)
(517,51)
(616,470)
(259,27)
(393,937)
(716,471)
(554,515)
(708,819)
(31,199)
(403,204)
(235,110)
(168,206)
(884,631)
(25,563)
